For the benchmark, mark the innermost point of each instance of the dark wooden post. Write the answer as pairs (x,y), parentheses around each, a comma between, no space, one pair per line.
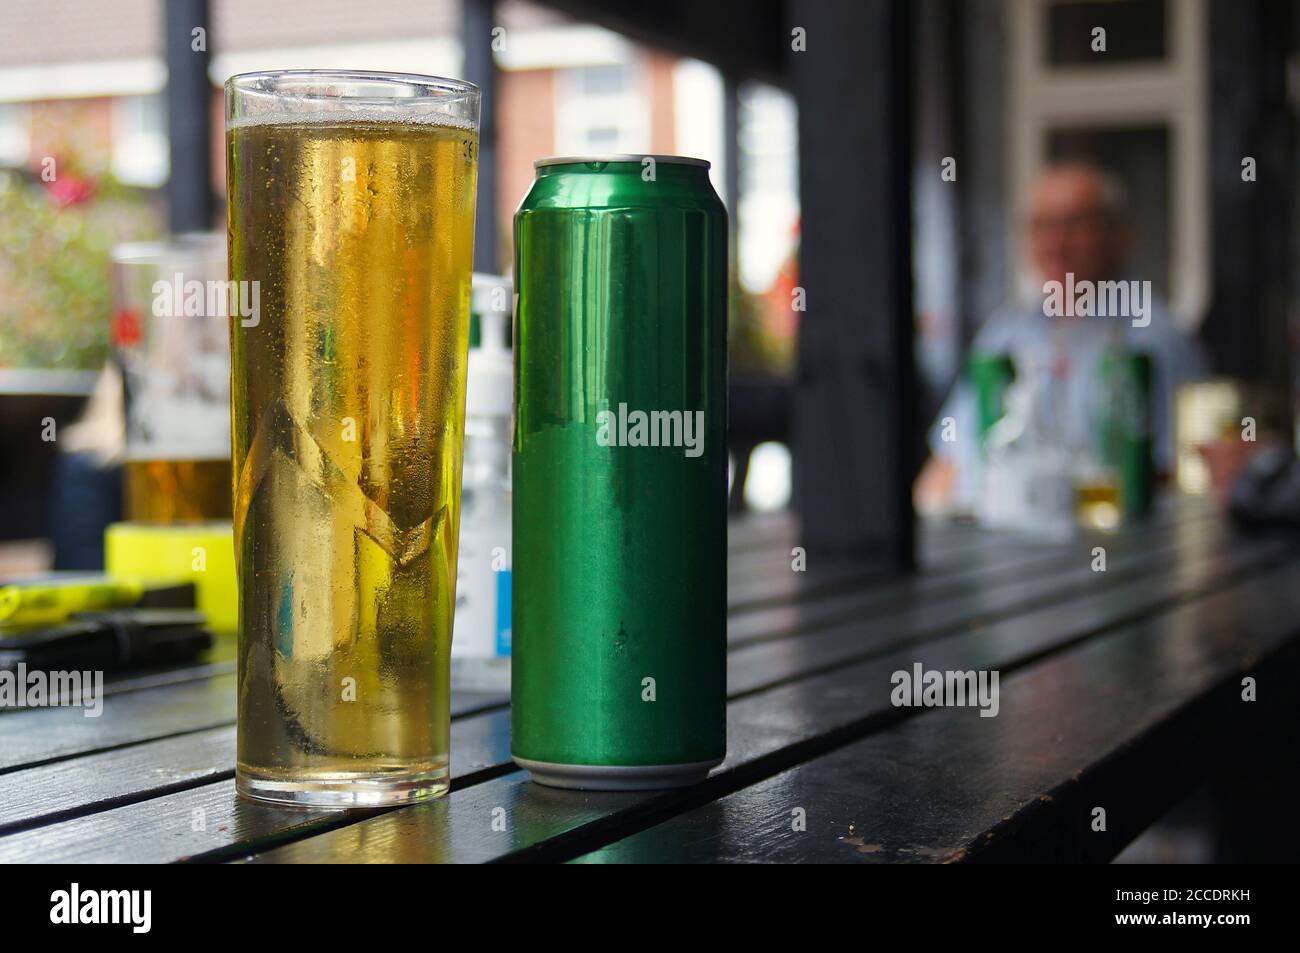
(855,409)
(731,150)
(978,44)
(189,99)
(480,69)
(1246,329)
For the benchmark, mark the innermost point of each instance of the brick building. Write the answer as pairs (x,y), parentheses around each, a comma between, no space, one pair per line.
(83,84)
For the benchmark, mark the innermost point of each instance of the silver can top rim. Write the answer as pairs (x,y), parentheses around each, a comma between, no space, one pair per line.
(621,157)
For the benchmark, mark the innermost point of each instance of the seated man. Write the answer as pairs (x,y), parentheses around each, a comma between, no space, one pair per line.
(1077,231)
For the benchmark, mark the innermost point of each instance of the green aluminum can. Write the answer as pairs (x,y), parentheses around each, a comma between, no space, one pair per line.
(1124,428)
(991,375)
(620,474)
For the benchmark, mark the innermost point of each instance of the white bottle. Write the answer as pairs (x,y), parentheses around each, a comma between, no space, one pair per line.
(480,648)
(1028,483)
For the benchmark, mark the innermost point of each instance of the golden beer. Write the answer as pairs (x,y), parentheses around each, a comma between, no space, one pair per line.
(348,412)
(176,491)
(1097,501)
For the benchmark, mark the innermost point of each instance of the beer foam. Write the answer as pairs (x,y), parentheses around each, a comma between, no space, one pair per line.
(349,116)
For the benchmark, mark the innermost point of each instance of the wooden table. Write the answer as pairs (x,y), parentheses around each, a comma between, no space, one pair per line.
(1117,688)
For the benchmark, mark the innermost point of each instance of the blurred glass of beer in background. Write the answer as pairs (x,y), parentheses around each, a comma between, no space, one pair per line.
(351,203)
(174,353)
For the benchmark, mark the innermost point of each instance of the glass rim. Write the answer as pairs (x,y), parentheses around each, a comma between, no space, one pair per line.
(430,87)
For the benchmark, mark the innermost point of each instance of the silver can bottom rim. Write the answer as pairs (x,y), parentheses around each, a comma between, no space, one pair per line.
(607,777)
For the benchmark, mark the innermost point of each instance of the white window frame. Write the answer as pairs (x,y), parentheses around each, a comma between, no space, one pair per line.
(1170,92)
(577,112)
(140,156)
(15,133)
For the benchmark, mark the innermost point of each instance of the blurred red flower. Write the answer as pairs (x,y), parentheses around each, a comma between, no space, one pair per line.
(68,190)
(125,328)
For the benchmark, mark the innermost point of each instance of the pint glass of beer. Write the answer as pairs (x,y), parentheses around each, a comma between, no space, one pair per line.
(350,204)
(174,354)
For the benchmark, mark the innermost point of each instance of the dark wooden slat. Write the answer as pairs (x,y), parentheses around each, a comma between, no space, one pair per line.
(462,748)
(1126,722)
(773,536)
(937,555)
(842,645)
(42,735)
(163,829)
(787,723)
(757,529)
(155,707)
(752,667)
(777,583)
(220,660)
(478,745)
(196,672)
(936,539)
(1035,572)
(54,734)
(780,585)
(775,730)
(105,781)
(37,736)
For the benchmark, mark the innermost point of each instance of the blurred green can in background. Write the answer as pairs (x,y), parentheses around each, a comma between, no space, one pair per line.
(990,376)
(620,474)
(1124,428)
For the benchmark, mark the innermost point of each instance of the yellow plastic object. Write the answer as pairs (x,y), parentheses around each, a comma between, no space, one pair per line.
(53,600)
(202,552)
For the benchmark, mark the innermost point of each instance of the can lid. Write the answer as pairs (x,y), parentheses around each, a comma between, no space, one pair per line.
(620,157)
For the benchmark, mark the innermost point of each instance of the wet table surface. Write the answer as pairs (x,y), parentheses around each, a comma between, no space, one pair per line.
(1115,687)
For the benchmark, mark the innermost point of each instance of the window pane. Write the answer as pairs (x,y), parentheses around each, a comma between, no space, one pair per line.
(602,140)
(602,80)
(1135,30)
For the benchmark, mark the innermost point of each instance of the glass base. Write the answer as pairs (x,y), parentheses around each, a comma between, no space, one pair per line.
(344,791)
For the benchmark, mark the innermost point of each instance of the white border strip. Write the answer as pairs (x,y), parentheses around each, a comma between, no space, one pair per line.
(134,77)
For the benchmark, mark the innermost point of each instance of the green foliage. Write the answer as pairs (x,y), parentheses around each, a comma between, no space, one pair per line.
(55,280)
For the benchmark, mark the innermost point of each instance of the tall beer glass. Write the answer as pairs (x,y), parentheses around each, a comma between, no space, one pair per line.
(350,204)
